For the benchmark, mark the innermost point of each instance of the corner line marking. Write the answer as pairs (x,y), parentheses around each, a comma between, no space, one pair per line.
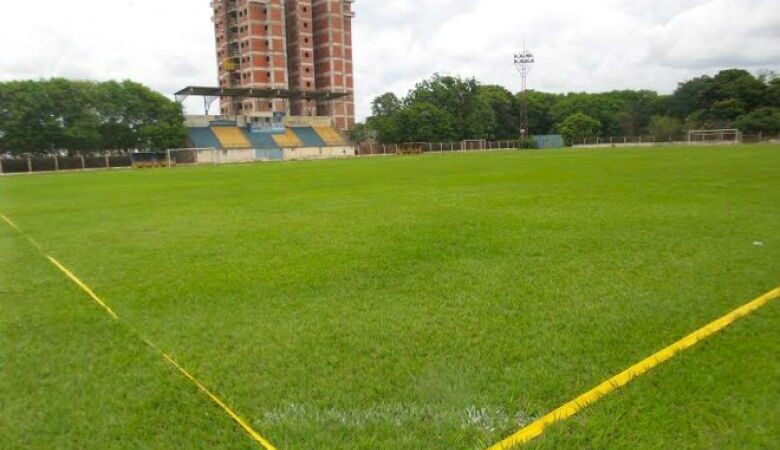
(257,437)
(537,428)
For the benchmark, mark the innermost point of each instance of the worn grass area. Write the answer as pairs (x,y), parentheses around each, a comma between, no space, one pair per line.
(432,302)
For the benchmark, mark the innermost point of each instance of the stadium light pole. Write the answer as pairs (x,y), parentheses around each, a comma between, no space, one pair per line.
(523,63)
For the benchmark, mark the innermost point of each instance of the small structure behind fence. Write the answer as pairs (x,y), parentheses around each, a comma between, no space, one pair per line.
(549,141)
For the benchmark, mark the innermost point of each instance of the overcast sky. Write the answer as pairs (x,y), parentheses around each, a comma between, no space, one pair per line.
(580,45)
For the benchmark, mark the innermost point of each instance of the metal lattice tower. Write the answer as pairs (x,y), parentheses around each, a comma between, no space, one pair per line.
(523,63)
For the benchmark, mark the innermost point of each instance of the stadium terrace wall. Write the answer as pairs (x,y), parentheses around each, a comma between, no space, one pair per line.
(215,156)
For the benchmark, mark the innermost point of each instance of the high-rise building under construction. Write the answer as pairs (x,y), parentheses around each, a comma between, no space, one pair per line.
(303,48)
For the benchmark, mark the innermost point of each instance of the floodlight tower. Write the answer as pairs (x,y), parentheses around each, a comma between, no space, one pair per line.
(523,63)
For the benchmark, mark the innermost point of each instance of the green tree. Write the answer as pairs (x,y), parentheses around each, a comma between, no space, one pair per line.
(491,112)
(773,92)
(665,127)
(635,108)
(764,120)
(359,133)
(604,108)
(386,105)
(579,126)
(28,122)
(471,115)
(540,121)
(689,97)
(385,128)
(726,111)
(155,122)
(60,114)
(423,122)
(383,122)
(735,84)
(503,120)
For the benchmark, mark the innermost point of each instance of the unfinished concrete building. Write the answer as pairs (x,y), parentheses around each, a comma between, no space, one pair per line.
(303,48)
(333,58)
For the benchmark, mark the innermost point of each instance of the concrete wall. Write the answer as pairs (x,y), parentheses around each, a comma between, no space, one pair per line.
(225,156)
(231,156)
(269,155)
(287,154)
(305,121)
(203,121)
(298,154)
(205,157)
(338,152)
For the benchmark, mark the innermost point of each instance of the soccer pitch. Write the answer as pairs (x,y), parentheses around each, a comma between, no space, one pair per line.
(427,302)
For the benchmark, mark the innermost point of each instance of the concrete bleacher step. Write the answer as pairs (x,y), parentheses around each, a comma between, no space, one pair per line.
(330,136)
(231,137)
(309,137)
(202,138)
(288,139)
(262,141)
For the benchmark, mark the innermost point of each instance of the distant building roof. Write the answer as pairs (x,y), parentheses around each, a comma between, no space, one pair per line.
(201,91)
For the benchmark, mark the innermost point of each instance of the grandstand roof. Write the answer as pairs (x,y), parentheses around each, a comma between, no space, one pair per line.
(202,91)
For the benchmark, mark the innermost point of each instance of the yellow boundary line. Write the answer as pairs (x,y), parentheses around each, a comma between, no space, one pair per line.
(527,433)
(257,437)
(571,408)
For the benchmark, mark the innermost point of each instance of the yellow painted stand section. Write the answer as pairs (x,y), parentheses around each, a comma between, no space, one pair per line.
(287,140)
(331,137)
(231,137)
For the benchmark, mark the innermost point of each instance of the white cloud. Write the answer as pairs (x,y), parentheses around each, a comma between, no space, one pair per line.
(580,45)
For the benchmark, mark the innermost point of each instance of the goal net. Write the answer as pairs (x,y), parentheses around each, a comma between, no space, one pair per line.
(474,144)
(724,136)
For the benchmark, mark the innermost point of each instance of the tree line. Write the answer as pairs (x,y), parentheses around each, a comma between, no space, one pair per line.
(448,108)
(83,116)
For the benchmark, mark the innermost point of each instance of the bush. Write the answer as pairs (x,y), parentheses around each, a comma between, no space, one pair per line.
(579,126)
(525,143)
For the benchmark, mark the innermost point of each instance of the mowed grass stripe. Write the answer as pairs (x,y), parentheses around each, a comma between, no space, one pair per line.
(257,437)
(422,302)
(571,408)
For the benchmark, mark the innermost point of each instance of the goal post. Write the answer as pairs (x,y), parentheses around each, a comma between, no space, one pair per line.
(721,136)
(473,144)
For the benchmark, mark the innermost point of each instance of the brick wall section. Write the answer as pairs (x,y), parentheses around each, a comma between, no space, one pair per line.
(295,44)
(333,58)
(300,53)
(251,51)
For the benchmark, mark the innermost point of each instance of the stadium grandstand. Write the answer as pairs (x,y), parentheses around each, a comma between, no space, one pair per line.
(286,99)
(263,136)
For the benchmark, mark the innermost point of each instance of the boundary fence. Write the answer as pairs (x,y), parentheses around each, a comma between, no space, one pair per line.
(366,149)
(674,139)
(54,163)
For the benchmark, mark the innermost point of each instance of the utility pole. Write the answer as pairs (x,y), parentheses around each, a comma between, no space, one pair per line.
(523,63)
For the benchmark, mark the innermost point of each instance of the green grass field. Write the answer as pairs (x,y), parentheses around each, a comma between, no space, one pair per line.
(433,302)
